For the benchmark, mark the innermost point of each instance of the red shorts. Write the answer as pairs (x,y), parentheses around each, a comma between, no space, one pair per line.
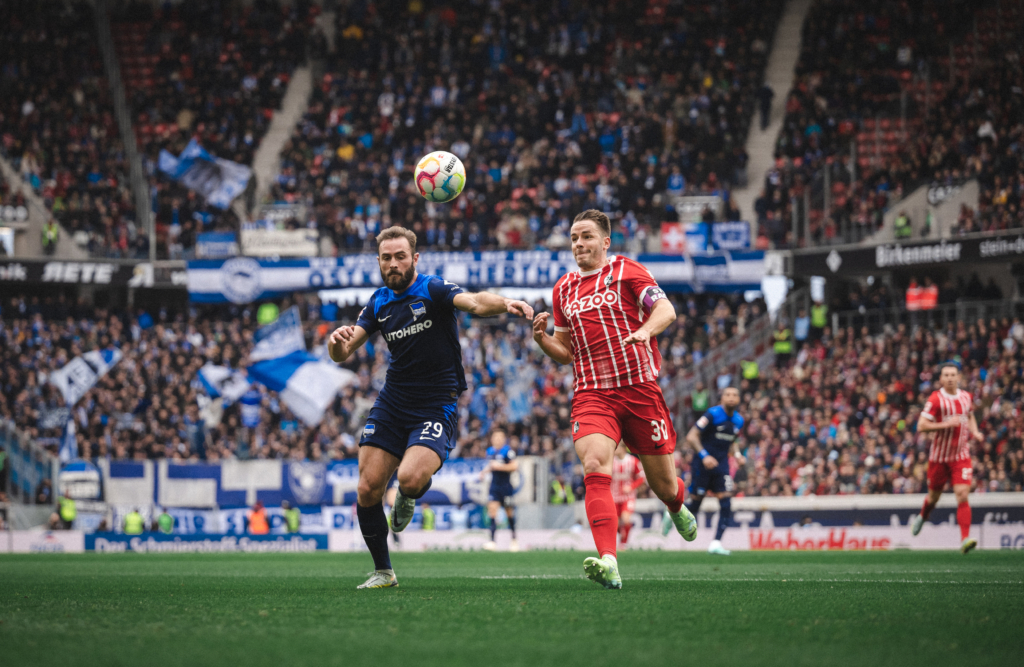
(627,506)
(635,414)
(957,472)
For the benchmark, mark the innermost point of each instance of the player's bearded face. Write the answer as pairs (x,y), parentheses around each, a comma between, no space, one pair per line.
(397,264)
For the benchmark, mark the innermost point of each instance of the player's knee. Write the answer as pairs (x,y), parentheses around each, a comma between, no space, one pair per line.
(962,494)
(367,494)
(412,481)
(592,464)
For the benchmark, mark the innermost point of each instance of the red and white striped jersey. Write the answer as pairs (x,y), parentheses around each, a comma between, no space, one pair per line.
(627,476)
(599,309)
(950,444)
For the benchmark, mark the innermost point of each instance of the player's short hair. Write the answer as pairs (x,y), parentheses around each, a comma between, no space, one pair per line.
(397,232)
(596,216)
(950,364)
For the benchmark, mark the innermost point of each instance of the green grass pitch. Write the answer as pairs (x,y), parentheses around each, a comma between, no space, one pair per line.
(784,608)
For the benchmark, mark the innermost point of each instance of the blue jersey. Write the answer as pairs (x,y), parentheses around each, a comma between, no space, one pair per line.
(504,455)
(421,331)
(718,431)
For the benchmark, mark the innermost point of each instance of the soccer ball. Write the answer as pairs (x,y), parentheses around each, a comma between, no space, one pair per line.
(440,177)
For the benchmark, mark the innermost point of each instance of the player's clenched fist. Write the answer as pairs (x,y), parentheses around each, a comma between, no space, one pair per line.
(338,337)
(540,325)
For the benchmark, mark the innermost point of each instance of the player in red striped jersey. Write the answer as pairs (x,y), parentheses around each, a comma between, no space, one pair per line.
(606,316)
(627,477)
(947,415)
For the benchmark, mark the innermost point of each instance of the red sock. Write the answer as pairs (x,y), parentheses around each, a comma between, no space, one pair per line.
(624,531)
(677,504)
(926,509)
(604,525)
(963,518)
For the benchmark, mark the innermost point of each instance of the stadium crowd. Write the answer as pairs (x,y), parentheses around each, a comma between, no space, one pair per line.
(552,107)
(209,71)
(57,125)
(838,418)
(961,83)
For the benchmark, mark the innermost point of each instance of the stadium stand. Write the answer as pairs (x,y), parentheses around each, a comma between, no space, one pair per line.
(839,419)
(554,108)
(211,72)
(924,96)
(57,125)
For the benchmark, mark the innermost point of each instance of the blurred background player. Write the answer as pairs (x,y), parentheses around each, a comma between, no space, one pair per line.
(714,438)
(501,466)
(627,477)
(412,426)
(606,316)
(948,415)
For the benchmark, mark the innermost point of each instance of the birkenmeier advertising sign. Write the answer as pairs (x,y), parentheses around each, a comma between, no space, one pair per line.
(888,256)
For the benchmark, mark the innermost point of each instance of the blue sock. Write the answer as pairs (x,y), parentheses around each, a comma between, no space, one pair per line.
(693,504)
(494,527)
(724,516)
(512,524)
(374,526)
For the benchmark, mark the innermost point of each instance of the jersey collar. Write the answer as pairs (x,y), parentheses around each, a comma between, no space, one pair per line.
(946,393)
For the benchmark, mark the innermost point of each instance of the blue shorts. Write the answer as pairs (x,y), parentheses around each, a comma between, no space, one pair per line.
(396,430)
(502,493)
(715,480)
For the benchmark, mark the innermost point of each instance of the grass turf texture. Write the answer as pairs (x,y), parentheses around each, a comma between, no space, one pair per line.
(785,608)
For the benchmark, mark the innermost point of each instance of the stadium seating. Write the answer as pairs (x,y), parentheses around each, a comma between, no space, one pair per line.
(206,71)
(553,110)
(57,125)
(922,94)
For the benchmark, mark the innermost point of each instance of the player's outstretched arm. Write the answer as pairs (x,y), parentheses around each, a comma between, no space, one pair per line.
(558,347)
(344,341)
(662,315)
(488,304)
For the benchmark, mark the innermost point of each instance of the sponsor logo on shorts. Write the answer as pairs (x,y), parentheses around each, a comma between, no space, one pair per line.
(575,427)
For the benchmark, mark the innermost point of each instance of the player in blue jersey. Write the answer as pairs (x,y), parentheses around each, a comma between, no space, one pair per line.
(412,425)
(714,438)
(502,463)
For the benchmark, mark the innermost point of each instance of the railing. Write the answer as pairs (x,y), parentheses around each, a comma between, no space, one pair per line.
(140,185)
(964,310)
(28,464)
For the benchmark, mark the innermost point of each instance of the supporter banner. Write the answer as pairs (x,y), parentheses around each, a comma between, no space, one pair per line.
(69,273)
(690,209)
(731,235)
(278,215)
(692,238)
(245,279)
(279,338)
(306,384)
(80,374)
(1007,247)
(218,180)
(45,541)
(157,543)
(280,242)
(241,483)
(216,245)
